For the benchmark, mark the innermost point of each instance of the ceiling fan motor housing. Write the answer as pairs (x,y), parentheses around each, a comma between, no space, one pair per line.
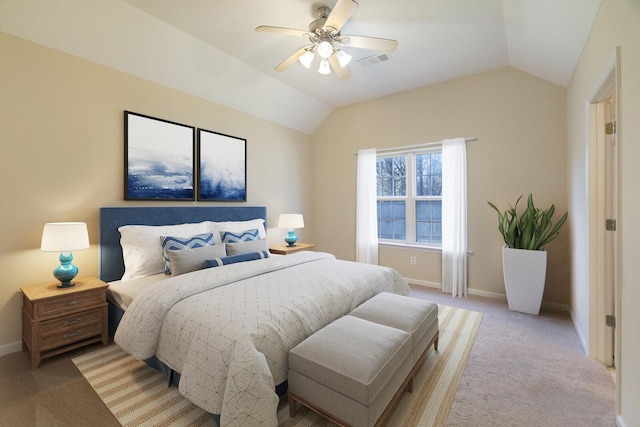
(323,13)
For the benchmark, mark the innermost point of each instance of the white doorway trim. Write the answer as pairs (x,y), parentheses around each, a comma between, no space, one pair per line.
(604,249)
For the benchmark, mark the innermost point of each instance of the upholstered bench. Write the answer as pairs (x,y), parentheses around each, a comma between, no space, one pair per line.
(415,316)
(350,370)
(354,370)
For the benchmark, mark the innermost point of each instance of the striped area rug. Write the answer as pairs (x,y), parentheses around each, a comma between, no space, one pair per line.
(138,395)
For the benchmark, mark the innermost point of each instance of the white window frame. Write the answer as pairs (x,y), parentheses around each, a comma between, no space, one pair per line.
(410,199)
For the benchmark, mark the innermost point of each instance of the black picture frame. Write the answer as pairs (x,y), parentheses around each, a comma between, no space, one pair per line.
(222,167)
(159,159)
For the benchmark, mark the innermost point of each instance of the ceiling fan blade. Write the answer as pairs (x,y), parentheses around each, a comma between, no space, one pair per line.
(340,14)
(291,60)
(341,72)
(372,43)
(281,30)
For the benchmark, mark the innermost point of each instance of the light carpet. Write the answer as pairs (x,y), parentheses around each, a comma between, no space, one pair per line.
(137,395)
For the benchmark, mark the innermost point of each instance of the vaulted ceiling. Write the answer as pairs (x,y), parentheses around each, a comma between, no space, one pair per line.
(211,49)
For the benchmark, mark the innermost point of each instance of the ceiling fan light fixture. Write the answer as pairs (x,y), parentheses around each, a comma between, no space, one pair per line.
(325,49)
(343,58)
(306,59)
(326,40)
(324,67)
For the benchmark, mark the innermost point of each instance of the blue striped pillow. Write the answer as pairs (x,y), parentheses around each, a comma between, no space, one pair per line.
(179,243)
(243,236)
(232,259)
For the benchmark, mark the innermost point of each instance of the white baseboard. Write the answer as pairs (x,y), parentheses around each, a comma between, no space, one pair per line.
(581,338)
(620,421)
(486,294)
(470,291)
(424,283)
(552,306)
(12,347)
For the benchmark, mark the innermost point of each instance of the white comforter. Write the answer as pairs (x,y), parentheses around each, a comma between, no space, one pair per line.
(228,330)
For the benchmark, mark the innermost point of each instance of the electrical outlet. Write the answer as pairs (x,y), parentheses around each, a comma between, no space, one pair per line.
(412,260)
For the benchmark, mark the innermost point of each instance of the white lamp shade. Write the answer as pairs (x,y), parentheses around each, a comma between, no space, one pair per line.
(306,59)
(290,221)
(343,58)
(64,237)
(324,67)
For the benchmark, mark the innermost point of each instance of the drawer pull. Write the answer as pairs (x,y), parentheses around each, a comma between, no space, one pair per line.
(72,334)
(72,322)
(72,303)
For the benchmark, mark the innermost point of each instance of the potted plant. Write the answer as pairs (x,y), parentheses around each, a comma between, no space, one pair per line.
(524,260)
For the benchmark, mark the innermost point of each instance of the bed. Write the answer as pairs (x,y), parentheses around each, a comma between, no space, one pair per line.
(224,332)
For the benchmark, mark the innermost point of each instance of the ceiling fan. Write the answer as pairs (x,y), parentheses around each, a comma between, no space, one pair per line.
(327,42)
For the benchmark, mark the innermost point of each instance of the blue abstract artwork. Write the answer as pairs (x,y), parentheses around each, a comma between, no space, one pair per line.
(222,167)
(159,159)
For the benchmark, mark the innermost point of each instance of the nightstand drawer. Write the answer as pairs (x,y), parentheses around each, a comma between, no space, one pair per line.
(72,302)
(74,321)
(90,325)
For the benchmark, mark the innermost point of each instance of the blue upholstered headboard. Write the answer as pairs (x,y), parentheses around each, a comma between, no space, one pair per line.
(111,262)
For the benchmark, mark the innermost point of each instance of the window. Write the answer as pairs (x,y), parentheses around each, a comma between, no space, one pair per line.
(409,188)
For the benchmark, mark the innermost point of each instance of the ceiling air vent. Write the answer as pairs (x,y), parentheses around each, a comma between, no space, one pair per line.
(374,59)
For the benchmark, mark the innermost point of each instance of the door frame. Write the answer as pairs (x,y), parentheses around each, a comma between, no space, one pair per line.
(600,346)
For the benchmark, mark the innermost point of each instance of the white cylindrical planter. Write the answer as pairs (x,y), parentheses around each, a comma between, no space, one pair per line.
(524,272)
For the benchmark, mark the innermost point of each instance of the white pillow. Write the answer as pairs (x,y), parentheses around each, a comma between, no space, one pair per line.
(142,248)
(236,227)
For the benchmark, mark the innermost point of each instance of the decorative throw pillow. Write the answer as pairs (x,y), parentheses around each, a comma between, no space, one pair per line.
(236,227)
(242,236)
(142,250)
(179,243)
(247,246)
(188,260)
(232,259)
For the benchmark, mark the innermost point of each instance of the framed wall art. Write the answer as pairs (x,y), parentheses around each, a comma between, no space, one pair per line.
(159,159)
(222,167)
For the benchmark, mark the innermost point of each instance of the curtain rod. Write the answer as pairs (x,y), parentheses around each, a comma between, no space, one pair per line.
(416,146)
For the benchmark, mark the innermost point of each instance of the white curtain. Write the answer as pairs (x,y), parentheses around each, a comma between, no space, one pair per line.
(454,216)
(366,208)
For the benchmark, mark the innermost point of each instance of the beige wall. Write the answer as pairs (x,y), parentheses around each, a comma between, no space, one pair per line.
(519,121)
(61,129)
(617,24)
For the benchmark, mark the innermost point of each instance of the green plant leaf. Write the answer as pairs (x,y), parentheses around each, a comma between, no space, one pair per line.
(553,233)
(532,229)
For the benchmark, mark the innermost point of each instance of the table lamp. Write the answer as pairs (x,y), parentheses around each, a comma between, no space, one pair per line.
(291,222)
(65,237)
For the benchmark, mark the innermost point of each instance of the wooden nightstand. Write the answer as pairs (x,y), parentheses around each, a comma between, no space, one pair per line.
(56,320)
(284,249)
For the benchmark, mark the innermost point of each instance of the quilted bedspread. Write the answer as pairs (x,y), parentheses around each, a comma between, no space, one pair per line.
(228,330)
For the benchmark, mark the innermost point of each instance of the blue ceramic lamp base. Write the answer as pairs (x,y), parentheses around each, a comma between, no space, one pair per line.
(66,271)
(291,238)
